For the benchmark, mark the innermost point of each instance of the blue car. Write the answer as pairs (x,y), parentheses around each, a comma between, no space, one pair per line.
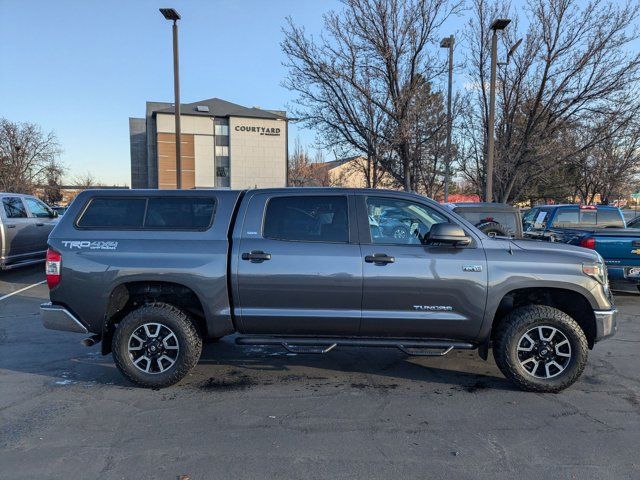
(601,228)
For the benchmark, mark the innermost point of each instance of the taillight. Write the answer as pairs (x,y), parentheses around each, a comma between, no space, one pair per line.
(588,242)
(52,269)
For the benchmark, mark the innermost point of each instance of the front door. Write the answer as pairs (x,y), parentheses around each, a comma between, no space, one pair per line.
(411,289)
(16,226)
(299,268)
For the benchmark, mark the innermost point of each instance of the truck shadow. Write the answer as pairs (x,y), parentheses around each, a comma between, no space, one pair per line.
(229,366)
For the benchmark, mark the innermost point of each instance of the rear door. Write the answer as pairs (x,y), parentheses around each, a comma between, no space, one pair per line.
(415,290)
(16,226)
(298,265)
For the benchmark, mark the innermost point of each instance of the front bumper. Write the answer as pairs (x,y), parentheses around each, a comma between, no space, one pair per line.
(606,323)
(56,317)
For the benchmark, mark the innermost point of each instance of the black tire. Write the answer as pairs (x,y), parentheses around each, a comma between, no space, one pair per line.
(511,332)
(188,340)
(494,229)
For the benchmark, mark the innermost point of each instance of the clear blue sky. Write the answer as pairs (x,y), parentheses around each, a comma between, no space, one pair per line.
(82,68)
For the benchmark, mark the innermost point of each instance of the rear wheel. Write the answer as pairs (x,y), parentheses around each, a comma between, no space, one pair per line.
(540,348)
(156,345)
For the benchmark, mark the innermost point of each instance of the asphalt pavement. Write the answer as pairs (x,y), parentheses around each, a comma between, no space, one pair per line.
(261,413)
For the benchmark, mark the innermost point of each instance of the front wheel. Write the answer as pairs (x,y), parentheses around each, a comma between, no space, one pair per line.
(540,348)
(156,345)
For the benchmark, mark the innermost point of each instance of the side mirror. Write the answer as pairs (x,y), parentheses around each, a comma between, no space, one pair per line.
(54,214)
(449,234)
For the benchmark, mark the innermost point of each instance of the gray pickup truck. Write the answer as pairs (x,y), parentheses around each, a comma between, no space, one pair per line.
(154,274)
(25,225)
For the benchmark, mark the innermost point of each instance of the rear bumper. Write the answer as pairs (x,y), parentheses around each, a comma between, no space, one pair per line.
(606,323)
(618,274)
(56,317)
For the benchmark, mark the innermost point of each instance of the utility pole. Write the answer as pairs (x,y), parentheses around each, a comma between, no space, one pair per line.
(448,42)
(499,24)
(171,14)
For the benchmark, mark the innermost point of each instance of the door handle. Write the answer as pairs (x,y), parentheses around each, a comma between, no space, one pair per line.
(256,256)
(11,226)
(379,259)
(39,224)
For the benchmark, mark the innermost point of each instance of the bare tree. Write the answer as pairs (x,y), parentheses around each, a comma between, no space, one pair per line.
(573,70)
(26,156)
(52,193)
(86,180)
(357,83)
(305,172)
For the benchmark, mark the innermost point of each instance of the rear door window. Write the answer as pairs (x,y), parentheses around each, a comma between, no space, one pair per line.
(307,218)
(13,207)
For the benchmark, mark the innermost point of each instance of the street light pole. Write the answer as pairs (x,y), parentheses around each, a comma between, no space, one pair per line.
(171,14)
(448,42)
(499,24)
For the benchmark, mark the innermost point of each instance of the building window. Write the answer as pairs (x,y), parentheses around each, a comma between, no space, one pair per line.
(222,130)
(222,151)
(222,171)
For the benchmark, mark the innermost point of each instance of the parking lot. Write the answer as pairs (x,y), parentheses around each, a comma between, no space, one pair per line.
(247,412)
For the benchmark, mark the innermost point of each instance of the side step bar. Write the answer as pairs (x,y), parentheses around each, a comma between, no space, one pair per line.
(422,348)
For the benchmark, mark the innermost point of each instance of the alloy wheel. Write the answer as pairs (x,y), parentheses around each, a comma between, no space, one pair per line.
(544,351)
(153,348)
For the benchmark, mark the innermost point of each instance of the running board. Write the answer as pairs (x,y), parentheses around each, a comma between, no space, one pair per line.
(421,348)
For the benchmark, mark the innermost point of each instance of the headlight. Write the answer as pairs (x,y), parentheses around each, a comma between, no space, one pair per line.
(596,271)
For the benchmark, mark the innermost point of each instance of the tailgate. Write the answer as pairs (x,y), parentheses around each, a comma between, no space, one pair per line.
(626,249)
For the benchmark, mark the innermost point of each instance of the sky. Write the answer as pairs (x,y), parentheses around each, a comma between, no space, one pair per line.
(81,68)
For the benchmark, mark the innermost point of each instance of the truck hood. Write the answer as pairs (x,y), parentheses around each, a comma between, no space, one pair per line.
(579,253)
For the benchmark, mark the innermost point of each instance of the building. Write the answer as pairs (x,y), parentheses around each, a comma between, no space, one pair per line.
(351,172)
(222,145)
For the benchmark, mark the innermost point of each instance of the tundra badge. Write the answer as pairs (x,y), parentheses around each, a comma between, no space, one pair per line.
(472,268)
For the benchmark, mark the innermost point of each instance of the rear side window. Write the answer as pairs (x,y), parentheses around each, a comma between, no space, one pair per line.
(568,218)
(307,218)
(610,218)
(156,213)
(507,219)
(179,213)
(13,207)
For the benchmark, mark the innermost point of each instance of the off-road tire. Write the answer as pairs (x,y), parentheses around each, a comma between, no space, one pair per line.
(518,322)
(495,229)
(189,341)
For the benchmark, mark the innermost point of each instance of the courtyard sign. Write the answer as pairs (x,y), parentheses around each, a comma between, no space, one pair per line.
(260,130)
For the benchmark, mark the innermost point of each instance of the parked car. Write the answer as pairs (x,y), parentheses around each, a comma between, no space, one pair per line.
(25,224)
(154,274)
(601,228)
(494,219)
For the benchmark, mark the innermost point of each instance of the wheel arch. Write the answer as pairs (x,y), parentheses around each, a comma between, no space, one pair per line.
(128,296)
(571,302)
